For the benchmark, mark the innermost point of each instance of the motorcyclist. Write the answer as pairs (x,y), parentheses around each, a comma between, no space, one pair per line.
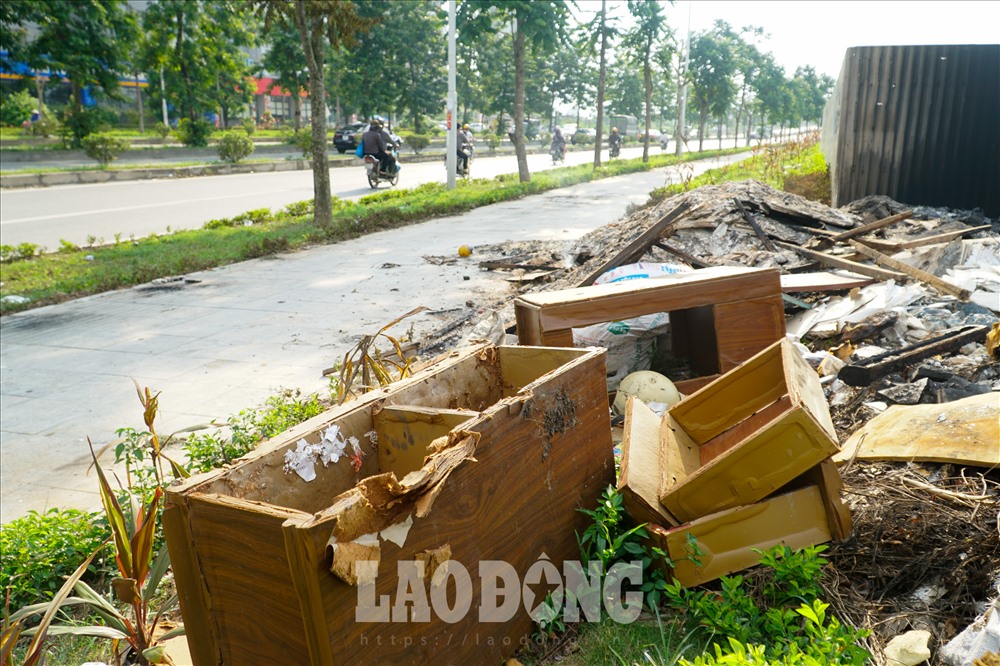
(375,144)
(470,139)
(614,142)
(392,142)
(558,144)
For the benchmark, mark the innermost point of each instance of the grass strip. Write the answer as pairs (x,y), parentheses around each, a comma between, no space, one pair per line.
(75,272)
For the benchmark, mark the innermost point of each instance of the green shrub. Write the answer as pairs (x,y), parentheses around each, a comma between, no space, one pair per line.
(194,133)
(104,147)
(492,141)
(16,108)
(249,127)
(40,549)
(234,146)
(416,141)
(80,122)
(249,428)
(46,126)
(302,140)
(162,130)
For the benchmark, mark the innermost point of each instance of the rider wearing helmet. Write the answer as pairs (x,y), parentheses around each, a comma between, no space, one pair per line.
(376,144)
(614,141)
(558,143)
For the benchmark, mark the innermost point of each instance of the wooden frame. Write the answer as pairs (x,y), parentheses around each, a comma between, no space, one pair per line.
(719,316)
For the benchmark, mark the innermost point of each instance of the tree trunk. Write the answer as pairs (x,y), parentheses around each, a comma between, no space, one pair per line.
(138,103)
(312,44)
(41,94)
(297,110)
(720,133)
(522,157)
(702,120)
(647,81)
(598,137)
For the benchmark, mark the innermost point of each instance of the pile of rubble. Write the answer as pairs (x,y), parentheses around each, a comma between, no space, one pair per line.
(896,308)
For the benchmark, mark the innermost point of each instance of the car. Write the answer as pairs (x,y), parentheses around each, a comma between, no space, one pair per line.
(346,138)
(583,135)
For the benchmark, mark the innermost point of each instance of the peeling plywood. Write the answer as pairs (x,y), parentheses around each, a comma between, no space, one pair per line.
(965,431)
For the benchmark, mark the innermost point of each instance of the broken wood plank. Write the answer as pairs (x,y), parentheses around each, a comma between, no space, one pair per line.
(923,276)
(838,262)
(640,245)
(872,226)
(865,372)
(821,281)
(677,252)
(513,265)
(753,225)
(898,246)
(639,477)
(963,432)
(804,219)
(530,276)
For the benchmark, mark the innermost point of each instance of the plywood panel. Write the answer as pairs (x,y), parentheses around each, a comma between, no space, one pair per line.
(640,472)
(745,327)
(404,433)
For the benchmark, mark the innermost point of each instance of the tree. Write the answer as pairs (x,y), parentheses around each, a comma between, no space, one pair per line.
(87,40)
(712,67)
(748,63)
(649,26)
(286,60)
(542,24)
(813,91)
(318,22)
(602,29)
(196,45)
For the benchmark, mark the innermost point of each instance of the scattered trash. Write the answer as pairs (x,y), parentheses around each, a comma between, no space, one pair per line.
(464,251)
(15,299)
(908,649)
(979,639)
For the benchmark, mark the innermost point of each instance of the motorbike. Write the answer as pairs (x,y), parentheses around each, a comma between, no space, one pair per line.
(375,174)
(558,154)
(459,171)
(616,149)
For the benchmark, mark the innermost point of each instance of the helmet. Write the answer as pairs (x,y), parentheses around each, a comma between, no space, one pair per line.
(647,386)
(614,129)
(465,127)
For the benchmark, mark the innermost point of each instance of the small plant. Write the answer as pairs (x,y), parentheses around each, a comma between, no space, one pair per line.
(16,108)
(787,617)
(249,127)
(492,141)
(103,147)
(163,131)
(7,253)
(375,368)
(194,133)
(40,549)
(81,122)
(548,619)
(302,140)
(25,250)
(46,127)
(299,208)
(416,141)
(66,246)
(234,146)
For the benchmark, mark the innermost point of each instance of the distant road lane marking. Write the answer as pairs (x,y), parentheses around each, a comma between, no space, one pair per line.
(127,208)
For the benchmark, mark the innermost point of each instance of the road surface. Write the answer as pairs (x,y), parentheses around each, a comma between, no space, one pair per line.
(83,214)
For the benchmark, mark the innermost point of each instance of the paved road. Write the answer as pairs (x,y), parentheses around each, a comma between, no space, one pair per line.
(241,332)
(44,216)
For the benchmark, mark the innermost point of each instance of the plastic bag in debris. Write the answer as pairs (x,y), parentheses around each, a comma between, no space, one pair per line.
(489,329)
(978,639)
(630,343)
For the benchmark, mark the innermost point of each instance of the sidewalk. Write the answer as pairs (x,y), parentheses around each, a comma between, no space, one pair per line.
(241,332)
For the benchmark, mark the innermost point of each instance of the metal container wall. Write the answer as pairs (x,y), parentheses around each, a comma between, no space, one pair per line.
(920,124)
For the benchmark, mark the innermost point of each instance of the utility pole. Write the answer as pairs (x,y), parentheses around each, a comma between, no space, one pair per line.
(682,89)
(451,141)
(163,98)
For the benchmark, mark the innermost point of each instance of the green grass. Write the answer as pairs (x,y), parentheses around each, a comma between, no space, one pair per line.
(146,165)
(55,277)
(641,642)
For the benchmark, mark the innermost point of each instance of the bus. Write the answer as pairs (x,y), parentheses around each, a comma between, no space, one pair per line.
(627,125)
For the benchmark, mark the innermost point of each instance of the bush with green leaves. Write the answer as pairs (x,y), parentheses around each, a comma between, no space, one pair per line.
(786,617)
(249,126)
(194,133)
(234,146)
(250,427)
(40,549)
(162,130)
(104,147)
(16,108)
(416,141)
(46,126)
(302,139)
(79,122)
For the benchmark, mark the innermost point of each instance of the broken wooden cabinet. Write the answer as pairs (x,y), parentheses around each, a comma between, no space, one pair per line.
(744,435)
(485,456)
(719,317)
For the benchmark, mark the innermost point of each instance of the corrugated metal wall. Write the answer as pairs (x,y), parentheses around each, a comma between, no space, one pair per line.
(920,124)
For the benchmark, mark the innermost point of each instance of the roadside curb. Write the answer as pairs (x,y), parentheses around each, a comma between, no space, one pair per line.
(18,181)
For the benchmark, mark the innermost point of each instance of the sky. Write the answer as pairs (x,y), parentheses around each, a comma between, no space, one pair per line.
(819,32)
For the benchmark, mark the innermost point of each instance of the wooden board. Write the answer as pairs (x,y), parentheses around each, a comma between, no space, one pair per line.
(839,262)
(821,281)
(965,432)
(639,472)
(744,327)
